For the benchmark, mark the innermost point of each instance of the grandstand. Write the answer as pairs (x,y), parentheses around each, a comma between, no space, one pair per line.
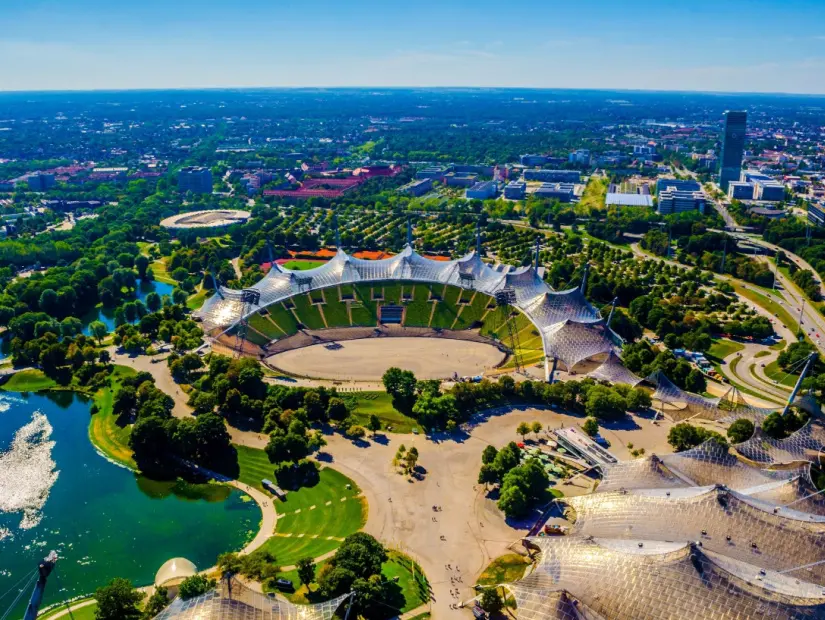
(439,295)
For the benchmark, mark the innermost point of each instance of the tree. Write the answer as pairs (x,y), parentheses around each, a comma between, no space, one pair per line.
(141,264)
(491,601)
(741,430)
(488,474)
(156,603)
(591,426)
(153,302)
(356,432)
(118,600)
(488,455)
(513,502)
(536,427)
(696,382)
(360,553)
(306,571)
(195,586)
(400,384)
(98,330)
(179,296)
(684,436)
(605,403)
(336,409)
(522,429)
(374,424)
(774,425)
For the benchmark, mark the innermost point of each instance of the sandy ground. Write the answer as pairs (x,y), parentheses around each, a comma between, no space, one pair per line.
(367,360)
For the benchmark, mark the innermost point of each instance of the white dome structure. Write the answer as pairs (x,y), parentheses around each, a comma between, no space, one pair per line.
(174,571)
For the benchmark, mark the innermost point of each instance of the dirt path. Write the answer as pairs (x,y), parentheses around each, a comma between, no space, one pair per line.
(156,366)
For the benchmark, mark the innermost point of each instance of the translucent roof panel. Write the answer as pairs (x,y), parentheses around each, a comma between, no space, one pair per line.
(573,342)
(613,371)
(723,521)
(645,473)
(806,444)
(234,601)
(658,580)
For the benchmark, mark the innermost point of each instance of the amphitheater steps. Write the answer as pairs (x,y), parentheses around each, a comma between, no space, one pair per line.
(252,329)
(323,317)
(455,320)
(349,312)
(432,313)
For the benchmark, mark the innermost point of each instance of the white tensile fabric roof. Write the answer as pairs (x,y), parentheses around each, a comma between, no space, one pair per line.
(572,329)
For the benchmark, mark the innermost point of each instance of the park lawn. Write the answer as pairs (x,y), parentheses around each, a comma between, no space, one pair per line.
(31,380)
(302,264)
(722,347)
(762,354)
(313,520)
(158,268)
(411,579)
(504,569)
(593,197)
(194,302)
(254,466)
(775,373)
(778,345)
(104,431)
(87,612)
(380,404)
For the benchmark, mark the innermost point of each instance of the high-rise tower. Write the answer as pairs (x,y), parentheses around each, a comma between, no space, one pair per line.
(733,147)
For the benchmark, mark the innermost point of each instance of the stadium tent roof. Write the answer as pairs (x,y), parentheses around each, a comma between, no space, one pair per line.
(613,371)
(572,329)
(631,579)
(723,521)
(806,444)
(234,601)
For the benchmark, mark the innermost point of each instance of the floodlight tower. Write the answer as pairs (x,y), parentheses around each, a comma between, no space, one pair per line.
(44,569)
(249,297)
(505,298)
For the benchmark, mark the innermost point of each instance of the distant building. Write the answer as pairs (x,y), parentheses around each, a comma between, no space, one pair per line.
(684,185)
(482,191)
(419,187)
(515,190)
(533,160)
(563,192)
(40,182)
(195,179)
(454,179)
(733,147)
(740,190)
(769,213)
(644,149)
(766,188)
(6,186)
(580,156)
(628,200)
(816,214)
(672,200)
(481,170)
(553,176)
(432,172)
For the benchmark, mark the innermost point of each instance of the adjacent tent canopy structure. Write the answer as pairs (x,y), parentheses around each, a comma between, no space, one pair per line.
(631,579)
(806,444)
(572,330)
(721,520)
(231,600)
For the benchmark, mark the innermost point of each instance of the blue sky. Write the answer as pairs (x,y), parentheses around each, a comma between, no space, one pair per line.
(719,45)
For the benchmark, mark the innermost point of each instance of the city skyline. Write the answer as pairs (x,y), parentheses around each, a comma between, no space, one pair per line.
(89,45)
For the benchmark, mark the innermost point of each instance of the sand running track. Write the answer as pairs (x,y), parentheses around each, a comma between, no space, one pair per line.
(366,360)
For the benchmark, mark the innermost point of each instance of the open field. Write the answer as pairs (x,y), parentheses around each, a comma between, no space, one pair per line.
(31,380)
(367,360)
(299,264)
(105,433)
(78,610)
(723,347)
(312,520)
(380,404)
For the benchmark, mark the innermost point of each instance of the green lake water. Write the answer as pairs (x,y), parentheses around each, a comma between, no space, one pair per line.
(57,492)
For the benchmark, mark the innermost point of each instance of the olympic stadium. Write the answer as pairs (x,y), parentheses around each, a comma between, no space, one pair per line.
(411,295)
(208,219)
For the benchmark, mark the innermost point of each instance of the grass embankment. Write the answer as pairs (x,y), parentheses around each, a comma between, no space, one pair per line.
(504,569)
(87,612)
(775,373)
(312,521)
(722,347)
(158,268)
(194,302)
(380,404)
(778,310)
(411,589)
(106,433)
(29,381)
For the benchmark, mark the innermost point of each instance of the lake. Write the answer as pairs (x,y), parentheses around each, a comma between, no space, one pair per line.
(107,315)
(104,521)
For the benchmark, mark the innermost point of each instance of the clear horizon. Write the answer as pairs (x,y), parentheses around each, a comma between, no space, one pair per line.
(738,47)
